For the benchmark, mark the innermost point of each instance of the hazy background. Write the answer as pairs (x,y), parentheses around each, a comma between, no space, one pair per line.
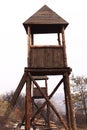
(13,38)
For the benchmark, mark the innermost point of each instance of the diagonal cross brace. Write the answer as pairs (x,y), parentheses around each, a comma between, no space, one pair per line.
(43,105)
(41,112)
(50,104)
(15,96)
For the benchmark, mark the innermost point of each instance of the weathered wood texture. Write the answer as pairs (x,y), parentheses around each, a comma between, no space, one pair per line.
(45,16)
(37,94)
(48,71)
(50,96)
(28,104)
(50,104)
(15,96)
(46,57)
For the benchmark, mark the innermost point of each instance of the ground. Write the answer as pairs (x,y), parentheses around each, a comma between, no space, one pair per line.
(81,128)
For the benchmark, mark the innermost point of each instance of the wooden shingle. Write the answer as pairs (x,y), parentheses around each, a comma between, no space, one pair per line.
(45,19)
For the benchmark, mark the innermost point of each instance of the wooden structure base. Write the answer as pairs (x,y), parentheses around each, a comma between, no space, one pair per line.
(28,78)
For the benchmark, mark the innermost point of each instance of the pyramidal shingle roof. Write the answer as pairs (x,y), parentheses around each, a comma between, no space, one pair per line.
(45,16)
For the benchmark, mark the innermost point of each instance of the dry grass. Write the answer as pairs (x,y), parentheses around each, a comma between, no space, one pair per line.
(81,128)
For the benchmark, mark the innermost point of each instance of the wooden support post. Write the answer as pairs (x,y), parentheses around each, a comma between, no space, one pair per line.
(65,85)
(33,108)
(64,47)
(48,115)
(59,41)
(29,43)
(28,105)
(32,39)
(48,108)
(71,109)
(67,105)
(28,89)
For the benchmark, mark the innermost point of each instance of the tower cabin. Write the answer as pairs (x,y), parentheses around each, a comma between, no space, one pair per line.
(46,58)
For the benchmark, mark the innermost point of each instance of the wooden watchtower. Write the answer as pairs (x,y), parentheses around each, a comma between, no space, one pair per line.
(48,60)
(43,61)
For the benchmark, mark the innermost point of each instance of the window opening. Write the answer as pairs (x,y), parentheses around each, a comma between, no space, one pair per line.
(45,39)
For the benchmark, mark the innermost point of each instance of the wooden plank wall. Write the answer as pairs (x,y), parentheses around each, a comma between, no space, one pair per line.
(46,57)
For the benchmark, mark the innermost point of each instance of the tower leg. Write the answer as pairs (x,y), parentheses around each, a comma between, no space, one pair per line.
(69,106)
(28,104)
(48,115)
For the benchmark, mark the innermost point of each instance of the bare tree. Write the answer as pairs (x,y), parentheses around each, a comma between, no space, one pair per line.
(20,101)
(79,94)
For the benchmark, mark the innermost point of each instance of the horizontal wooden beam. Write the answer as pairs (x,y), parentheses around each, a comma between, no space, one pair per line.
(48,71)
(40,77)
